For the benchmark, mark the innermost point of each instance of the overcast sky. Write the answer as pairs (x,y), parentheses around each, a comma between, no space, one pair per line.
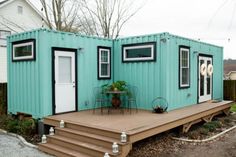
(212,21)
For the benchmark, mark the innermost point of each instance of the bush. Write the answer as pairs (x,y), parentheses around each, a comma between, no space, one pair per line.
(13,126)
(27,127)
(22,127)
(211,126)
(193,134)
(203,131)
(233,108)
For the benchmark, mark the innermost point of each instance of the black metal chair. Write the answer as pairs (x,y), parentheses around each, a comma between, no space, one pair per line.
(132,95)
(101,99)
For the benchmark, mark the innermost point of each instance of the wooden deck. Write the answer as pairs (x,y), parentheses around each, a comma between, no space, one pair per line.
(139,125)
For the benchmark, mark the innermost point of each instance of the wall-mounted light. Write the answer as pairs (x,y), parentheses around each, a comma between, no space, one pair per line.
(163,40)
(81,50)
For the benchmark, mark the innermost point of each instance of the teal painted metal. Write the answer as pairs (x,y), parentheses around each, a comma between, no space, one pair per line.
(30,83)
(161,78)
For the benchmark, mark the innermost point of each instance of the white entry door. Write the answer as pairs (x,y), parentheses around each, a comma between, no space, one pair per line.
(205,80)
(64,68)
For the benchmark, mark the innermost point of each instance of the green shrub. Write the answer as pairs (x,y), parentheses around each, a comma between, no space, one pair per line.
(23,127)
(13,126)
(233,108)
(211,126)
(193,134)
(27,127)
(203,131)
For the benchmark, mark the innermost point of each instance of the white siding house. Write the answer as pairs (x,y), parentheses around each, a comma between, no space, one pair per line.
(230,69)
(15,16)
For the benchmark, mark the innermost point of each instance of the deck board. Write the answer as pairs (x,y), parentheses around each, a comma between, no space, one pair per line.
(135,122)
(137,126)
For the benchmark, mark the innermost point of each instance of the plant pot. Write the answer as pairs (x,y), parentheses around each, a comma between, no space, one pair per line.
(116,102)
(158,110)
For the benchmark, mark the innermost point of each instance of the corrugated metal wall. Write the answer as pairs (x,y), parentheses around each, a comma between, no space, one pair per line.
(24,84)
(183,97)
(30,83)
(30,89)
(161,78)
(145,75)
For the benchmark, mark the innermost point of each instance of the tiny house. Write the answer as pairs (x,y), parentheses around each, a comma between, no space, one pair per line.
(52,72)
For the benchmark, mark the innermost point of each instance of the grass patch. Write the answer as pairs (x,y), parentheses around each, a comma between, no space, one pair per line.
(233,108)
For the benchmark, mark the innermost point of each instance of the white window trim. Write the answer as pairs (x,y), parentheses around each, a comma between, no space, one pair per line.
(180,60)
(108,63)
(23,57)
(125,48)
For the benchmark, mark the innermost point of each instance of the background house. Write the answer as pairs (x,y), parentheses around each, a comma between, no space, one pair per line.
(230,69)
(15,16)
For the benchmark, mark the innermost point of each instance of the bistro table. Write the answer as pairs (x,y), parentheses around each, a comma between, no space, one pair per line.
(118,93)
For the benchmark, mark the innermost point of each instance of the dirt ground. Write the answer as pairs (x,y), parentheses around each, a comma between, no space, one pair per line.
(164,146)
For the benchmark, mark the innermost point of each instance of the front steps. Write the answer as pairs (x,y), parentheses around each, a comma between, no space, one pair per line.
(77,140)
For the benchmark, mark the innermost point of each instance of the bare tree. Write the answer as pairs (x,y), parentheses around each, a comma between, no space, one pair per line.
(61,14)
(106,18)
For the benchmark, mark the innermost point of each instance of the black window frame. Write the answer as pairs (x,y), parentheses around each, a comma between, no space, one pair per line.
(181,86)
(153,58)
(98,63)
(33,58)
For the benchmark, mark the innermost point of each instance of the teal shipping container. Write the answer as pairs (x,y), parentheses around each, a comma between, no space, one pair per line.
(52,72)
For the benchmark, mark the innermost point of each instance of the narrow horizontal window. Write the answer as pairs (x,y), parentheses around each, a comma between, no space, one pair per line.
(184,68)
(104,62)
(139,52)
(23,50)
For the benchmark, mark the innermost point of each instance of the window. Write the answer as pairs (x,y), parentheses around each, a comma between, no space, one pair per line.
(184,70)
(20,9)
(104,62)
(23,50)
(139,52)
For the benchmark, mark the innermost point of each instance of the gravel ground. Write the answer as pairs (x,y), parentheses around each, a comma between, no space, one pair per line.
(13,147)
(163,146)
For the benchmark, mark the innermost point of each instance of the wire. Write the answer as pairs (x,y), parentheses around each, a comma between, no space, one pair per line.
(216,12)
(232,17)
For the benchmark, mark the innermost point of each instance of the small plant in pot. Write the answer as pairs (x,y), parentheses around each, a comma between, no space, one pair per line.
(159,105)
(158,109)
(116,86)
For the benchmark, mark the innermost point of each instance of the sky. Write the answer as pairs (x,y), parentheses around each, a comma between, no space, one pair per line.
(211,21)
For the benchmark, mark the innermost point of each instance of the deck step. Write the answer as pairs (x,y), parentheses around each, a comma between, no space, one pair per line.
(60,151)
(85,128)
(83,147)
(87,137)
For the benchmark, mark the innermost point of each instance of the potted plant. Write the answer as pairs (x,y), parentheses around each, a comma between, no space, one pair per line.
(159,105)
(115,86)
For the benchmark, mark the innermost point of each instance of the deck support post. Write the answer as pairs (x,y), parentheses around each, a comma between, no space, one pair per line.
(187,126)
(226,111)
(207,118)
